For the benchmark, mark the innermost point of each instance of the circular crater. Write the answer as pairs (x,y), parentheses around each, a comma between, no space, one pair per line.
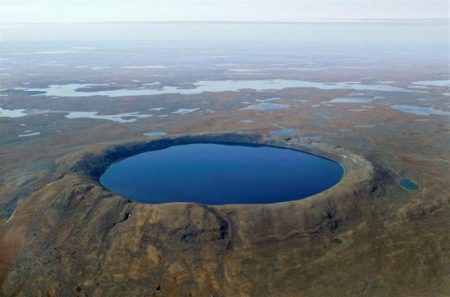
(217,173)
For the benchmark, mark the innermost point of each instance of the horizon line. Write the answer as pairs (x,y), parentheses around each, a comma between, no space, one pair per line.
(237,21)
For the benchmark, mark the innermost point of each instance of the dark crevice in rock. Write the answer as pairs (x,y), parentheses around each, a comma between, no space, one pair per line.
(125,217)
(225,231)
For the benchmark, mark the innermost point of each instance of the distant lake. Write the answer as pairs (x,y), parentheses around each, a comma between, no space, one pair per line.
(420,110)
(221,174)
(86,90)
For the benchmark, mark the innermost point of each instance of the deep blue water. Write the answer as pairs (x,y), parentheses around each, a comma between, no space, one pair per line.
(221,174)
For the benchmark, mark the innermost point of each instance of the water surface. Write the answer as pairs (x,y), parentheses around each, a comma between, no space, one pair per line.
(266,106)
(420,110)
(86,90)
(12,113)
(408,184)
(434,83)
(155,134)
(129,117)
(221,174)
(351,100)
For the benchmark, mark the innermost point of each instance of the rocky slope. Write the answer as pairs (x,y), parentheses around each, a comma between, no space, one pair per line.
(365,236)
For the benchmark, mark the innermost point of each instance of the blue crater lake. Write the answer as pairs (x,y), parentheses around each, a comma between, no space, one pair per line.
(216,174)
(408,184)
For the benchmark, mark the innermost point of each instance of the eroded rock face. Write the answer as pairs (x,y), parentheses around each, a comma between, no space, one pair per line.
(75,238)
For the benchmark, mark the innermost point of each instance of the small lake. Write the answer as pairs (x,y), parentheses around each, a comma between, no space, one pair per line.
(266,106)
(408,184)
(155,134)
(433,83)
(12,113)
(350,100)
(217,174)
(420,110)
(129,117)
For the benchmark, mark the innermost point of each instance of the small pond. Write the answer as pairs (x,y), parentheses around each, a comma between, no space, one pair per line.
(408,184)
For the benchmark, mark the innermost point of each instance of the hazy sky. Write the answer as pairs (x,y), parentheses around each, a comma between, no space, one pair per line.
(18,11)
